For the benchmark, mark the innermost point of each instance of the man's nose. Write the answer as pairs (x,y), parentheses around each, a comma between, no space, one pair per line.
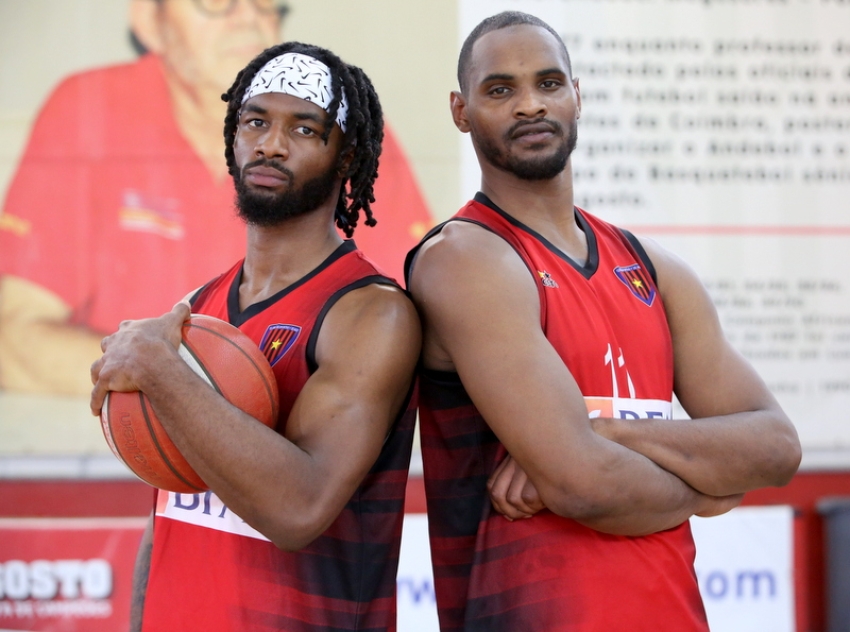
(530,104)
(273,144)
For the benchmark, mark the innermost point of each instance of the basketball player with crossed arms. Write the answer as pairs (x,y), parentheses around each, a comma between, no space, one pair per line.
(548,333)
(302,527)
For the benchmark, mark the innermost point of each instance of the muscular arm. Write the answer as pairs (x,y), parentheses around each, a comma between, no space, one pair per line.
(290,488)
(482,319)
(739,438)
(40,352)
(140,577)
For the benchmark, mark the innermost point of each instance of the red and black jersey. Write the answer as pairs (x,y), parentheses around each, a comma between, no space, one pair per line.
(608,324)
(211,571)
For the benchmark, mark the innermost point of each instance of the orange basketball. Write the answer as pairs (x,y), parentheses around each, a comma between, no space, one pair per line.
(231,363)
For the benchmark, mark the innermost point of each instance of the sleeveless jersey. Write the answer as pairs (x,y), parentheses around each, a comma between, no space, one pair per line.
(607,322)
(211,571)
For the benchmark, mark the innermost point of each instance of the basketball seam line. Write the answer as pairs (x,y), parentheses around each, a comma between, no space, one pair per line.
(261,373)
(158,447)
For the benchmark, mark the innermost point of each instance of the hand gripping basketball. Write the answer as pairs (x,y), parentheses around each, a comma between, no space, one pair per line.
(230,362)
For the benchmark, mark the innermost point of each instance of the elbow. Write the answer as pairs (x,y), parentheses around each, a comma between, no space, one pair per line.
(588,492)
(292,543)
(293,531)
(580,504)
(782,454)
(785,452)
(789,454)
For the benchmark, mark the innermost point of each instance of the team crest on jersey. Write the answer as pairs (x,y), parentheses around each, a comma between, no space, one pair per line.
(546,279)
(636,279)
(277,340)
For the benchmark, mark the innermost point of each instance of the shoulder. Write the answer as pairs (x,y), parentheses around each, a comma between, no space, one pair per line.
(381,295)
(467,272)
(373,326)
(672,271)
(375,307)
(687,303)
(463,247)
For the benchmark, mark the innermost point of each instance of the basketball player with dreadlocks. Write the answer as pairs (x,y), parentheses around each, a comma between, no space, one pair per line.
(302,527)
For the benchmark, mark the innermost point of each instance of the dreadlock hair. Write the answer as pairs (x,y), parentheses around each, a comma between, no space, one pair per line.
(363,135)
(494,23)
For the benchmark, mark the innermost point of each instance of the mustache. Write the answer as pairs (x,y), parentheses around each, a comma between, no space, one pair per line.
(516,127)
(271,164)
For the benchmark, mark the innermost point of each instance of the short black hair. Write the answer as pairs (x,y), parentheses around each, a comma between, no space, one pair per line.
(494,23)
(364,127)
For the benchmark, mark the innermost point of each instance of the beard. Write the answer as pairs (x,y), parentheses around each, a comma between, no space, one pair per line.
(538,168)
(266,208)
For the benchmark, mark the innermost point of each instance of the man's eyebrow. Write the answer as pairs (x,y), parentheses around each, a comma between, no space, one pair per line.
(497,76)
(310,116)
(501,76)
(253,108)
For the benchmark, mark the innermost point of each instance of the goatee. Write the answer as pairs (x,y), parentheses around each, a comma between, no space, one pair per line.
(539,168)
(266,208)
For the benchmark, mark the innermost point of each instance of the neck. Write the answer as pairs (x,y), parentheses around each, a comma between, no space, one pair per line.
(522,197)
(199,113)
(545,206)
(278,256)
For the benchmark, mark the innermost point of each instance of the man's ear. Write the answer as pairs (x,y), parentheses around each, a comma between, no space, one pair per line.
(457,102)
(144,22)
(344,162)
(578,97)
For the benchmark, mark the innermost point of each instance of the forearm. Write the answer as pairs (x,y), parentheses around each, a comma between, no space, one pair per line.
(627,494)
(263,478)
(292,486)
(738,439)
(729,454)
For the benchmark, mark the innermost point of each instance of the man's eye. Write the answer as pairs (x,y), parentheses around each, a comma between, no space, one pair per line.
(499,90)
(306,131)
(550,83)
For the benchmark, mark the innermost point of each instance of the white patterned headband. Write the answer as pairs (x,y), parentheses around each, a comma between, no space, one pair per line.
(300,76)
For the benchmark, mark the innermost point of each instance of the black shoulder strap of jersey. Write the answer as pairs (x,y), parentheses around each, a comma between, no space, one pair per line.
(197,294)
(411,256)
(641,253)
(312,365)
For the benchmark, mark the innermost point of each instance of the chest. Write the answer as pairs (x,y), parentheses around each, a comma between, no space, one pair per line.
(606,319)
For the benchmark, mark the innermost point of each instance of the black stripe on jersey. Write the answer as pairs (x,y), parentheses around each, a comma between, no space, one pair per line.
(201,289)
(312,365)
(452,393)
(395,455)
(237,318)
(256,620)
(641,254)
(590,266)
(411,256)
(480,617)
(587,270)
(455,506)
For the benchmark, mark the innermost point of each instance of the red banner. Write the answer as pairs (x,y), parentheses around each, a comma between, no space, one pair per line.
(67,574)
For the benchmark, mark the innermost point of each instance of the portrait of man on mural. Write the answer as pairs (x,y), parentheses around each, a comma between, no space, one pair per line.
(121,199)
